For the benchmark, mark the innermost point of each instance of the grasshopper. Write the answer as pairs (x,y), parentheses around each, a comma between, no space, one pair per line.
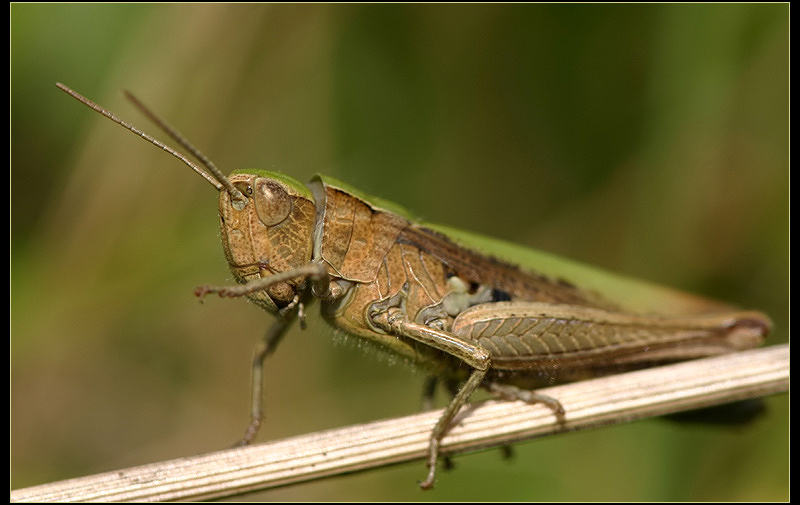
(473,311)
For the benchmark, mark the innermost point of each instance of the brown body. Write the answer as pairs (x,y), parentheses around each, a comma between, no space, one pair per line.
(373,254)
(442,297)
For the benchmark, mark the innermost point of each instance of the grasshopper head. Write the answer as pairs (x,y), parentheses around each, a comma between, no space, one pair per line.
(268,232)
(267,218)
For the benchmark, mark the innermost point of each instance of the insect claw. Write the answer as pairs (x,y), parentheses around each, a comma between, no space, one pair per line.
(432,457)
(221,291)
(427,483)
(201,292)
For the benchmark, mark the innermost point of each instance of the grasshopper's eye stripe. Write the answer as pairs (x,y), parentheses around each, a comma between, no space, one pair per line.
(273,203)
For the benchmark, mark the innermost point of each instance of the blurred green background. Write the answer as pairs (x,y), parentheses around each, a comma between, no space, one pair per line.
(650,139)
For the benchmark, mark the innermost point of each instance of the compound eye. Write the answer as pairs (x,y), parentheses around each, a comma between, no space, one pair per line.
(273,203)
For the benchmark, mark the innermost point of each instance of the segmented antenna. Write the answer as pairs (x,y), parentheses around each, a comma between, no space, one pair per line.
(216,177)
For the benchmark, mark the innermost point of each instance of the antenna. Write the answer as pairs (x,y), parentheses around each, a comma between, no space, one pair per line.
(216,177)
